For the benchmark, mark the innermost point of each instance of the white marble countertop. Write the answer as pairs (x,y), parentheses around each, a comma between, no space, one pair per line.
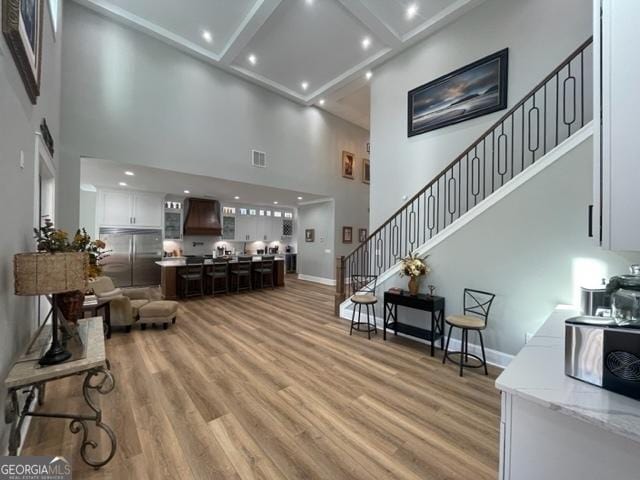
(537,374)
(181,261)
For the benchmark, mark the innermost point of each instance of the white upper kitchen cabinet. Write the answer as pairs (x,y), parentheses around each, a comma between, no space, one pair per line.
(124,208)
(147,209)
(114,208)
(245,228)
(616,223)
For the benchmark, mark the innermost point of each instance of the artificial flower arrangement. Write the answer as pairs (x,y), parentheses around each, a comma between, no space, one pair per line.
(414,267)
(53,240)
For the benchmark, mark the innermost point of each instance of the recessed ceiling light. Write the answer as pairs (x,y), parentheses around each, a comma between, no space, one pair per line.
(275,203)
(321,102)
(366,42)
(309,2)
(187,192)
(369,74)
(122,184)
(130,173)
(252,59)
(304,85)
(237,197)
(206,34)
(299,198)
(412,11)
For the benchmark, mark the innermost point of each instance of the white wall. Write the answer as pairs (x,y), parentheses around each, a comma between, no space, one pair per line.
(130,98)
(313,258)
(540,34)
(531,249)
(87,216)
(19,120)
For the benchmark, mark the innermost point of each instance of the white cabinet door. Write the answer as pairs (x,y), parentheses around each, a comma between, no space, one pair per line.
(245,228)
(275,229)
(147,210)
(115,208)
(616,155)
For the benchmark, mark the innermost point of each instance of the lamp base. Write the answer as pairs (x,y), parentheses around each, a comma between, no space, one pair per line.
(55,355)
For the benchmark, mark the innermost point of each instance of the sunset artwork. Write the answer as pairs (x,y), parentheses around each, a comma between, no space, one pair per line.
(469,92)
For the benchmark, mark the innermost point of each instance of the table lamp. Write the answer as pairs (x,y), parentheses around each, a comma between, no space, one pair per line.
(51,274)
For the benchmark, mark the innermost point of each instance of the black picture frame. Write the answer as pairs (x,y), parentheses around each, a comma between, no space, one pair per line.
(497,83)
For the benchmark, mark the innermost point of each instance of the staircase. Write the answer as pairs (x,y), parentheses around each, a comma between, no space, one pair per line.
(552,113)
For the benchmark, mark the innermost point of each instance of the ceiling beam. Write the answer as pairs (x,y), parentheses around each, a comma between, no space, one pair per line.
(378,27)
(259,14)
(114,12)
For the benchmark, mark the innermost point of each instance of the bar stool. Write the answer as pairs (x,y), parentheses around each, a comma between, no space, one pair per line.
(219,271)
(476,306)
(265,268)
(239,270)
(192,274)
(364,287)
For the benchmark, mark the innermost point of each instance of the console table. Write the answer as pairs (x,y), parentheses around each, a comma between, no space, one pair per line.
(424,302)
(27,375)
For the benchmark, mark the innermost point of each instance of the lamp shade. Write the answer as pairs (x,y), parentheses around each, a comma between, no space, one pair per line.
(50,273)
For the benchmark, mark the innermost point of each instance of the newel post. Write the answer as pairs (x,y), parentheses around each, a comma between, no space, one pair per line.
(340,295)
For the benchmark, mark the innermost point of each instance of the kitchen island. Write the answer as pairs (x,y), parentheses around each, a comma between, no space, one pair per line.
(169,273)
(556,427)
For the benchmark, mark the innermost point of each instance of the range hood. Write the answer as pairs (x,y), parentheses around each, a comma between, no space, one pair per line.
(203,217)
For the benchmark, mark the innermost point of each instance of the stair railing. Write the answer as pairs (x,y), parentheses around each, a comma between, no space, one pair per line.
(550,113)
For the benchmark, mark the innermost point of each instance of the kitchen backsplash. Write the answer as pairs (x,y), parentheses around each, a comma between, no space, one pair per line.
(206,245)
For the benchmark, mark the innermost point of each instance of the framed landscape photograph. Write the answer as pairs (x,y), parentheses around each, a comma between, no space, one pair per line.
(469,92)
(362,234)
(366,171)
(347,234)
(309,235)
(348,164)
(22,28)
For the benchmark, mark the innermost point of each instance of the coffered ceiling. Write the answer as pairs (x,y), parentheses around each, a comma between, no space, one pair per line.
(315,52)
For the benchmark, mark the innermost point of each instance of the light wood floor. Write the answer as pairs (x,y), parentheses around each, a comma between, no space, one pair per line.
(270,385)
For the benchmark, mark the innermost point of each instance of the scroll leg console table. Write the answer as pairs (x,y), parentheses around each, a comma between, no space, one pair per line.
(28,376)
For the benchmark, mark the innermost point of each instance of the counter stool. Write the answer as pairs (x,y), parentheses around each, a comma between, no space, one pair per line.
(265,268)
(240,270)
(477,304)
(364,287)
(219,271)
(191,275)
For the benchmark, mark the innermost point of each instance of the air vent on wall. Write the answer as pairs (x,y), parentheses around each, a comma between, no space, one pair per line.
(258,159)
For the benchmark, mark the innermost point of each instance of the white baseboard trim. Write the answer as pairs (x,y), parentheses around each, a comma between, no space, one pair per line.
(494,357)
(324,281)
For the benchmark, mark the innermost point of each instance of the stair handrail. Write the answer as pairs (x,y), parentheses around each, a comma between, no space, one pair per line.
(342,261)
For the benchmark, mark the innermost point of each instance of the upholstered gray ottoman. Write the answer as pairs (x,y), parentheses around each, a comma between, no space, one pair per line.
(158,311)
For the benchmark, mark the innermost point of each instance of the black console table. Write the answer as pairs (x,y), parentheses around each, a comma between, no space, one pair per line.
(422,301)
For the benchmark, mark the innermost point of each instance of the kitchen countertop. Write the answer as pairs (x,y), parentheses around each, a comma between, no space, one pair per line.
(537,374)
(181,261)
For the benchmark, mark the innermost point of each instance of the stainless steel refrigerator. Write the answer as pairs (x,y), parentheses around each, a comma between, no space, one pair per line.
(133,253)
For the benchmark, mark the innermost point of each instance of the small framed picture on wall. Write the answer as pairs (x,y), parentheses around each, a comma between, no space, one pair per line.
(366,171)
(348,164)
(362,234)
(347,234)
(309,235)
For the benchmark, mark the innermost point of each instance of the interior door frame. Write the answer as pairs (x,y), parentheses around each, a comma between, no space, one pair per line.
(43,167)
